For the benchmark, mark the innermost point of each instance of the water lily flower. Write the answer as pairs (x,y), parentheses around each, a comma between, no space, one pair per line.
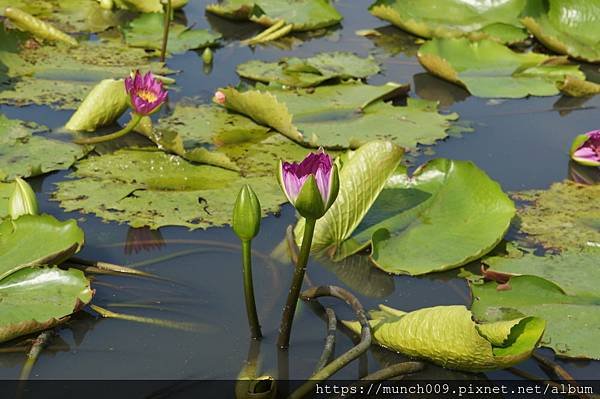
(586,148)
(219,97)
(146,93)
(311,185)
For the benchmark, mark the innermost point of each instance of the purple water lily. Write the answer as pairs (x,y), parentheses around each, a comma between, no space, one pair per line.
(586,148)
(146,93)
(318,168)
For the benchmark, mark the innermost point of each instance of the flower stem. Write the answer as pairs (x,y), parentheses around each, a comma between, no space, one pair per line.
(292,300)
(249,290)
(167,22)
(135,120)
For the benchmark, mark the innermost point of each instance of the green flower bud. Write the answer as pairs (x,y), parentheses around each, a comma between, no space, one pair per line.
(22,201)
(246,214)
(207,56)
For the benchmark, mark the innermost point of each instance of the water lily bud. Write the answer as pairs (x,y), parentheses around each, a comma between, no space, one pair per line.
(22,201)
(585,149)
(207,56)
(311,185)
(219,98)
(246,214)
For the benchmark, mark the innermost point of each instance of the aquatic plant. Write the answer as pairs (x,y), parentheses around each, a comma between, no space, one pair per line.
(22,201)
(146,96)
(246,224)
(311,186)
(586,148)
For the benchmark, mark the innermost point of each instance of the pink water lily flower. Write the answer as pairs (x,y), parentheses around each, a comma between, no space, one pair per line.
(586,148)
(146,93)
(311,185)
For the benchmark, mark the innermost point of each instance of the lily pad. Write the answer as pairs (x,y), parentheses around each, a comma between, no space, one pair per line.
(25,153)
(147,187)
(312,71)
(448,336)
(36,299)
(497,20)
(561,289)
(61,77)
(447,214)
(147,5)
(567,27)
(302,14)
(343,116)
(146,32)
(489,69)
(6,190)
(33,240)
(565,216)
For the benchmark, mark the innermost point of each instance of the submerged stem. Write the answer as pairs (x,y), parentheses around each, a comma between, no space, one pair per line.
(135,120)
(167,22)
(329,348)
(348,356)
(38,345)
(249,290)
(287,319)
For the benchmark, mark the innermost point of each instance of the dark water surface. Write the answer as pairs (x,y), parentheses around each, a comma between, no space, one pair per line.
(522,144)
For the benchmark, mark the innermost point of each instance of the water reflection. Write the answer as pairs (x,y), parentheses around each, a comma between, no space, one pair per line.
(583,174)
(433,88)
(143,239)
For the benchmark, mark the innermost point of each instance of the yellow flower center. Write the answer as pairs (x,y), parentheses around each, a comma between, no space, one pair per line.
(147,95)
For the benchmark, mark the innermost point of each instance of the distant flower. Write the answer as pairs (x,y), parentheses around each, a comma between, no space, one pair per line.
(146,93)
(220,97)
(586,149)
(311,185)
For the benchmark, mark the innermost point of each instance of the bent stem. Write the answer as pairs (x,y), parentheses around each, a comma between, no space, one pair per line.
(249,291)
(283,341)
(167,22)
(38,345)
(135,120)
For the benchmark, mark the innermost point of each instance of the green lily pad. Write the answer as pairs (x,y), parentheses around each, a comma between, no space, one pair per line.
(302,14)
(146,31)
(447,214)
(312,71)
(455,18)
(60,76)
(69,15)
(148,187)
(565,216)
(448,336)
(561,289)
(567,27)
(489,69)
(343,116)
(24,153)
(33,240)
(147,5)
(36,299)
(6,190)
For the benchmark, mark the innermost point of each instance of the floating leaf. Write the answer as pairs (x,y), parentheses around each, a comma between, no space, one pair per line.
(561,289)
(312,71)
(147,187)
(342,116)
(497,20)
(565,216)
(146,31)
(61,77)
(33,240)
(567,27)
(6,190)
(148,5)
(447,214)
(448,336)
(24,153)
(36,299)
(302,14)
(489,69)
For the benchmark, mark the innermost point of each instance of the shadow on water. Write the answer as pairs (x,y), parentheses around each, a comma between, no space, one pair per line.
(520,143)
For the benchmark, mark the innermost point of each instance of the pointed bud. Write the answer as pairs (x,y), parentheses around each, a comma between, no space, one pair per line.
(246,214)
(22,201)
(207,56)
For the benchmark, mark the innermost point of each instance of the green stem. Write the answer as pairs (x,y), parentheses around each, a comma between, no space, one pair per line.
(135,120)
(292,300)
(38,345)
(249,290)
(166,24)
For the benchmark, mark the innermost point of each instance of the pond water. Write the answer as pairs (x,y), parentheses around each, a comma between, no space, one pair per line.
(522,144)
